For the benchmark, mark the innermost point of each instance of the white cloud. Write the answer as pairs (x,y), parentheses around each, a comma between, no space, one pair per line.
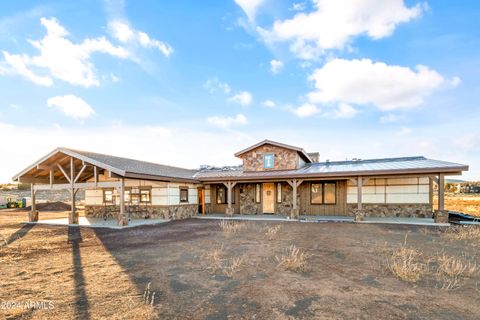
(364,82)
(305,110)
(298,6)
(226,122)
(333,24)
(213,85)
(391,117)
(404,131)
(268,104)
(249,7)
(60,58)
(124,33)
(276,66)
(71,106)
(344,111)
(243,98)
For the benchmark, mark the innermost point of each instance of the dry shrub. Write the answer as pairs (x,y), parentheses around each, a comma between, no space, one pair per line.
(271,232)
(231,227)
(453,271)
(463,233)
(217,261)
(293,259)
(404,262)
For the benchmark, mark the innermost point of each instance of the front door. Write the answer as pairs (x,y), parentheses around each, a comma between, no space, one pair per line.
(268,198)
(201,200)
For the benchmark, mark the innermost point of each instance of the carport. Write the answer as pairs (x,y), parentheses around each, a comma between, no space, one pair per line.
(71,170)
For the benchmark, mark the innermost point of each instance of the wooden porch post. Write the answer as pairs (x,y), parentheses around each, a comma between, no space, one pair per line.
(441,192)
(33,215)
(229,211)
(294,184)
(123,219)
(73,217)
(359,193)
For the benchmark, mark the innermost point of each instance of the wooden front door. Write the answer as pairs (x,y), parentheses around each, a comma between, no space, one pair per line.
(201,200)
(268,198)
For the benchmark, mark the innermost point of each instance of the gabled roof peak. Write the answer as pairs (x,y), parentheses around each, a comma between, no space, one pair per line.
(302,152)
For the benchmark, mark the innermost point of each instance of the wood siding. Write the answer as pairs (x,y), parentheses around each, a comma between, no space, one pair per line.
(340,208)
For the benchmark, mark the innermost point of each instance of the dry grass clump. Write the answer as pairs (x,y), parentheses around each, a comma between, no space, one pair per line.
(453,271)
(404,262)
(293,259)
(463,233)
(271,232)
(217,261)
(231,227)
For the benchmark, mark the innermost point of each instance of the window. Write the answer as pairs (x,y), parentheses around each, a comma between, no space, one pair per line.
(221,194)
(279,192)
(126,195)
(108,196)
(258,194)
(316,193)
(323,193)
(183,194)
(145,196)
(329,193)
(268,161)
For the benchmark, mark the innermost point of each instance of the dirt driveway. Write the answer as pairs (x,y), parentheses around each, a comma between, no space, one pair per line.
(100,273)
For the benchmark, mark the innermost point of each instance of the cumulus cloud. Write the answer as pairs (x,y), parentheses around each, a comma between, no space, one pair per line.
(268,104)
(276,66)
(126,34)
(363,82)
(249,7)
(60,58)
(213,85)
(333,24)
(225,122)
(305,110)
(243,98)
(71,106)
(344,111)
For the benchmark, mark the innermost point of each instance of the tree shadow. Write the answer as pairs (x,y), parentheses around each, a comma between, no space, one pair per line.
(20,233)
(82,306)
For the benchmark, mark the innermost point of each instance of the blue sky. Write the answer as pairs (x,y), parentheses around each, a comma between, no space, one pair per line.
(190,83)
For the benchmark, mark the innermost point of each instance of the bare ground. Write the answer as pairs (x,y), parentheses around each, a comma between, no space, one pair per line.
(101,273)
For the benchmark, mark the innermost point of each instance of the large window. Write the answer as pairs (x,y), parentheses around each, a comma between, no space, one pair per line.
(279,192)
(108,196)
(183,195)
(323,193)
(222,195)
(258,193)
(145,195)
(269,161)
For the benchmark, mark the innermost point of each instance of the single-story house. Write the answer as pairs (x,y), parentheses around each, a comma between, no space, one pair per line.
(275,178)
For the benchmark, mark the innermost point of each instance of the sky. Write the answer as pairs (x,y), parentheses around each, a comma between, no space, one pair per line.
(188,83)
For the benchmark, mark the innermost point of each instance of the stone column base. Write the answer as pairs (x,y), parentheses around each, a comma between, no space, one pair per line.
(33,216)
(229,212)
(359,215)
(440,216)
(122,221)
(73,218)
(295,213)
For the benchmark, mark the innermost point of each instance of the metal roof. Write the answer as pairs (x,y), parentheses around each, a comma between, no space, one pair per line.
(346,168)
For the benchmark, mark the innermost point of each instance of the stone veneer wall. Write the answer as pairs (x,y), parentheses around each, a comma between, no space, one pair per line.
(175,212)
(394,210)
(285,159)
(247,199)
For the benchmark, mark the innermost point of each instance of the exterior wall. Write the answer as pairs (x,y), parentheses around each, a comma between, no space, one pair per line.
(337,209)
(285,159)
(247,199)
(165,201)
(393,197)
(221,207)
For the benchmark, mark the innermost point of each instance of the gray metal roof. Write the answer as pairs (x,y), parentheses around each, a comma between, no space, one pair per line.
(131,166)
(347,168)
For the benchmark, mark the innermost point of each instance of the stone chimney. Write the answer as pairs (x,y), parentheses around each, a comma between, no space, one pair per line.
(315,156)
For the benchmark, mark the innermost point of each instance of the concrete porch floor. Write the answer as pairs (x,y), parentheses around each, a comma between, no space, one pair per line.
(312,218)
(99,223)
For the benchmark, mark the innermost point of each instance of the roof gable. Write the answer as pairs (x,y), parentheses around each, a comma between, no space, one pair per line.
(302,152)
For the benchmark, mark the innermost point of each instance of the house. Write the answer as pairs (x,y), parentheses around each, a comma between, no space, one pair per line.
(275,178)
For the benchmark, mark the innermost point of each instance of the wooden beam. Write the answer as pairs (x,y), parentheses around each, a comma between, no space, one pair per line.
(441,192)
(84,185)
(95,175)
(80,173)
(51,177)
(359,193)
(33,180)
(64,173)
